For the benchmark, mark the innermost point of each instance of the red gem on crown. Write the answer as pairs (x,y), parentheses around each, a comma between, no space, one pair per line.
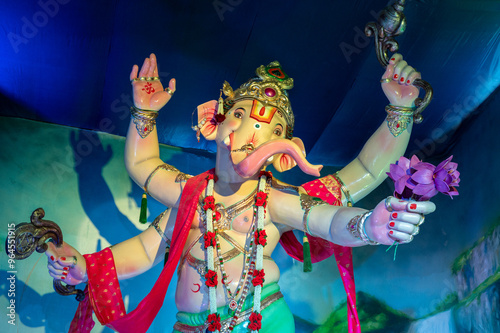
(270,92)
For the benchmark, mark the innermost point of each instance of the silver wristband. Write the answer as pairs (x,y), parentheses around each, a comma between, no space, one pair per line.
(356,227)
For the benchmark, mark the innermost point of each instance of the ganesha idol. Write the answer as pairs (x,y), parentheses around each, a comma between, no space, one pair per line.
(223,225)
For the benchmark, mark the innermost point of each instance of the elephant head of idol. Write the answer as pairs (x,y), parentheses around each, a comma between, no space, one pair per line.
(253,126)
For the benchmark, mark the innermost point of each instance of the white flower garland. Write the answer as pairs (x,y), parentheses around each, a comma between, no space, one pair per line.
(260,248)
(259,258)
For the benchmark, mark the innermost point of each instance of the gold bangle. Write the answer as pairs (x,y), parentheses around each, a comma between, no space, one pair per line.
(344,189)
(307,202)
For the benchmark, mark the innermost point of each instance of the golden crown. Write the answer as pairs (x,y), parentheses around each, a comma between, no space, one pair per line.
(270,88)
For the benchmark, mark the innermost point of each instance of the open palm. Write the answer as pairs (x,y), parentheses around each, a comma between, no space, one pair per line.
(147,88)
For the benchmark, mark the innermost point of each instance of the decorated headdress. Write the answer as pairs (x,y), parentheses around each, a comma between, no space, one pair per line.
(269,87)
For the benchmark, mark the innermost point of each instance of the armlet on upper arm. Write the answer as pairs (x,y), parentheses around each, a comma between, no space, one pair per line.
(163,166)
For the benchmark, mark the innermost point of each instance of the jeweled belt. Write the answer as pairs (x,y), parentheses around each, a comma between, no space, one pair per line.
(244,316)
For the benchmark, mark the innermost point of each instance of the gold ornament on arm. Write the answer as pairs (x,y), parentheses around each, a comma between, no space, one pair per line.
(144,120)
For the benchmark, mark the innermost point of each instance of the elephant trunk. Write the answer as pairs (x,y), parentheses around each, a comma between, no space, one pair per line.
(254,162)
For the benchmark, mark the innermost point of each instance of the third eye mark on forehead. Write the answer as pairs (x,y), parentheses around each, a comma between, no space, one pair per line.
(277,112)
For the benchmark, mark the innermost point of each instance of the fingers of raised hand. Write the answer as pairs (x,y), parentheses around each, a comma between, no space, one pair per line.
(171,86)
(402,72)
(148,73)
(389,72)
(133,73)
(145,68)
(412,77)
(408,75)
(162,97)
(152,65)
(395,59)
(398,69)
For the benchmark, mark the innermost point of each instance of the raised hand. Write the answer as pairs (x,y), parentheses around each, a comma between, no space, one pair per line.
(66,264)
(397,82)
(147,88)
(397,220)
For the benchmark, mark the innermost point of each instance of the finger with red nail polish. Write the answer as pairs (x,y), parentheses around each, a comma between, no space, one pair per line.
(398,69)
(421,207)
(399,236)
(402,227)
(413,76)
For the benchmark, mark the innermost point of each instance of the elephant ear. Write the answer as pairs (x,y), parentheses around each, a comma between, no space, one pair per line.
(284,162)
(206,114)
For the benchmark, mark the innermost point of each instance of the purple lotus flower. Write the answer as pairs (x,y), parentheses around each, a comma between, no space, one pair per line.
(417,180)
(447,177)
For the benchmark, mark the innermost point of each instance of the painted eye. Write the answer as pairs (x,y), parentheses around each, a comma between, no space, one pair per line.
(238,114)
(277,131)
(257,126)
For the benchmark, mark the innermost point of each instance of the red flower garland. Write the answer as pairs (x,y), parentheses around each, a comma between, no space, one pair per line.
(261,199)
(211,278)
(258,279)
(260,237)
(209,239)
(214,322)
(209,203)
(255,321)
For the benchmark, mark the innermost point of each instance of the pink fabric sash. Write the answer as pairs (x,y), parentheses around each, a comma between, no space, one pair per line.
(328,189)
(139,320)
(102,293)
